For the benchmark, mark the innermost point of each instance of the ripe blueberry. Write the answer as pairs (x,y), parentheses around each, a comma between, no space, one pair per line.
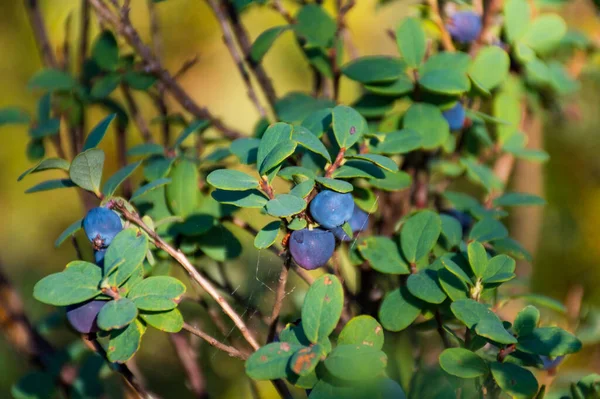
(99,257)
(455,116)
(311,249)
(83,315)
(101,225)
(549,363)
(463,218)
(358,222)
(464,26)
(331,209)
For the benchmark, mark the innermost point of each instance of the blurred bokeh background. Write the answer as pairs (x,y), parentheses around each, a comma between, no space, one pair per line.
(564,235)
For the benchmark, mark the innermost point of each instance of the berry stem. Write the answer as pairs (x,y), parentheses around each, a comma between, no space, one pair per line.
(337,163)
(214,342)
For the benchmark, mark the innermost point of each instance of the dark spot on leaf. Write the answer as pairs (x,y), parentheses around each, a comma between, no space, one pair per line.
(263,358)
(352,130)
(327,280)
(285,347)
(327,299)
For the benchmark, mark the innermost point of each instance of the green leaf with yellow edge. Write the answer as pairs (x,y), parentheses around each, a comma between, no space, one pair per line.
(275,134)
(168,321)
(308,140)
(334,184)
(157,293)
(86,170)
(477,258)
(242,199)
(362,330)
(348,126)
(77,283)
(304,361)
(379,160)
(322,307)
(117,314)
(276,156)
(267,235)
(126,252)
(264,41)
(270,362)
(124,343)
(284,205)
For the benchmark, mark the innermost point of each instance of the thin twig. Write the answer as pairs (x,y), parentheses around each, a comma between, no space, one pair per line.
(214,342)
(123,26)
(186,66)
(189,361)
(41,35)
(243,39)
(121,148)
(66,48)
(84,33)
(193,272)
(437,19)
(235,54)
(279,296)
(488,17)
(333,55)
(278,6)
(135,113)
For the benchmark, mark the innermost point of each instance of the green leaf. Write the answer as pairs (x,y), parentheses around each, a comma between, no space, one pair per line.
(297,224)
(167,321)
(124,343)
(477,258)
(322,307)
(275,134)
(399,309)
(425,286)
(242,199)
(392,181)
(126,252)
(356,362)
(518,199)
(379,160)
(399,87)
(481,174)
(46,164)
(471,312)
(246,149)
(498,265)
(462,363)
(77,283)
(348,126)
(362,330)
(336,185)
(69,232)
(278,154)
(267,235)
(86,169)
(51,185)
(191,128)
(105,85)
(488,229)
(50,79)
(456,270)
(517,15)
(383,255)
(374,69)
(284,205)
(451,231)
(399,142)
(549,341)
(138,80)
(157,293)
(318,122)
(545,33)
(443,61)
(233,180)
(308,140)
(105,51)
(303,189)
(117,314)
(489,68)
(410,38)
(13,115)
(419,234)
(149,187)
(306,359)
(46,128)
(270,362)
(182,193)
(494,330)
(454,287)
(295,107)
(516,381)
(428,121)
(264,41)
(111,185)
(445,81)
(146,149)
(526,321)
(315,26)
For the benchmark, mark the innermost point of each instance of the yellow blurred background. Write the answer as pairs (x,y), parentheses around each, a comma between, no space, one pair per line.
(568,247)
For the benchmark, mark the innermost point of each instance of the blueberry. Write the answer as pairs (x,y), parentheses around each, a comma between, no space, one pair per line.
(99,257)
(101,225)
(455,117)
(549,363)
(311,248)
(464,26)
(463,218)
(331,209)
(358,222)
(83,315)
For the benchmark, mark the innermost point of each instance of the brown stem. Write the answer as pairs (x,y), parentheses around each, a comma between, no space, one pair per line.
(189,360)
(489,13)
(186,66)
(121,144)
(66,49)
(134,111)
(41,35)
(337,163)
(502,353)
(214,342)
(440,329)
(437,19)
(123,26)
(279,296)
(278,6)
(282,389)
(235,54)
(333,56)
(193,272)
(266,187)
(245,44)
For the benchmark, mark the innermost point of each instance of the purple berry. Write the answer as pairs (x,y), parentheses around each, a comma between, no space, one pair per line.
(550,364)
(358,222)
(83,315)
(455,116)
(464,26)
(331,209)
(99,257)
(311,249)
(101,225)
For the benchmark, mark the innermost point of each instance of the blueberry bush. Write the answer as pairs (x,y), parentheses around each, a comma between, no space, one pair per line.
(406,189)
